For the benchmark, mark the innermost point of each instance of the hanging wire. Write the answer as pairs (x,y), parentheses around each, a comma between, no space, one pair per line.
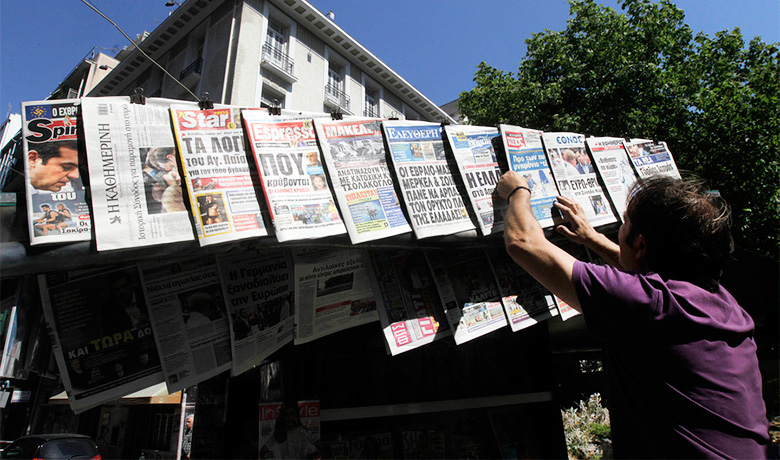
(139,48)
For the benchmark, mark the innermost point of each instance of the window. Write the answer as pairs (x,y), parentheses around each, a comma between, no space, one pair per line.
(371,108)
(277,41)
(335,84)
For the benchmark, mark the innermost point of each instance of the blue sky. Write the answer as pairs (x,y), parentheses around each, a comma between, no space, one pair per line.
(434,44)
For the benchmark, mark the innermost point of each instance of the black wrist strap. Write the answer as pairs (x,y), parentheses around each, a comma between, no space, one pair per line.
(516,189)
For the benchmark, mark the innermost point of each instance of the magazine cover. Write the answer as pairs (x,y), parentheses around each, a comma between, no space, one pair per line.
(650,158)
(433,201)
(612,163)
(332,292)
(134,174)
(56,200)
(101,334)
(525,155)
(354,153)
(472,147)
(216,174)
(294,183)
(576,177)
(289,432)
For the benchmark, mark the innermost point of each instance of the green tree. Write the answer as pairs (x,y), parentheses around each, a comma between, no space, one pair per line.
(642,73)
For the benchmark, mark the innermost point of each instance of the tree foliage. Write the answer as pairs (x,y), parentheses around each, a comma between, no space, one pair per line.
(643,73)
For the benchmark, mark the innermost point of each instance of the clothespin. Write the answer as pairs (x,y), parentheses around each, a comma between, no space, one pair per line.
(336,115)
(393,115)
(205,102)
(138,96)
(275,110)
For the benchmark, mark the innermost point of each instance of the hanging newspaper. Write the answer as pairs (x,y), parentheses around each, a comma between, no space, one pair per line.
(134,176)
(101,334)
(189,320)
(575,176)
(355,155)
(259,297)
(650,158)
(611,160)
(216,174)
(472,147)
(56,201)
(468,291)
(525,155)
(410,311)
(332,292)
(300,441)
(296,189)
(526,302)
(433,201)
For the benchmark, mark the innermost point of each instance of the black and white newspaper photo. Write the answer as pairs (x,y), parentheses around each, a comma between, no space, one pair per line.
(576,177)
(650,158)
(332,292)
(433,200)
(189,320)
(293,179)
(354,153)
(468,292)
(472,147)
(134,174)
(259,296)
(612,163)
(101,334)
(57,208)
(410,311)
(216,174)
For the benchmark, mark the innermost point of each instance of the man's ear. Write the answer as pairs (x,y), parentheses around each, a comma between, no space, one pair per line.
(640,247)
(32,157)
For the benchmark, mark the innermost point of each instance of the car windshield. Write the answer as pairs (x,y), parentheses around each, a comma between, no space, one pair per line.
(68,449)
(23,448)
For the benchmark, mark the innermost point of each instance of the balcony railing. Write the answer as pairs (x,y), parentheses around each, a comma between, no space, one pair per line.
(193,69)
(371,112)
(278,59)
(336,97)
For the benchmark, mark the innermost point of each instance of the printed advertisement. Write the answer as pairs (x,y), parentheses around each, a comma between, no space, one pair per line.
(525,155)
(332,292)
(611,160)
(216,174)
(294,182)
(472,147)
(432,198)
(355,155)
(650,158)
(134,174)
(56,200)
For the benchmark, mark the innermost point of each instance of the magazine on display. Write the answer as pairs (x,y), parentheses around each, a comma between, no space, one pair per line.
(189,320)
(612,163)
(293,179)
(650,158)
(332,292)
(216,174)
(525,155)
(526,302)
(410,311)
(468,291)
(101,334)
(576,177)
(258,290)
(301,441)
(354,152)
(433,200)
(57,209)
(472,147)
(134,177)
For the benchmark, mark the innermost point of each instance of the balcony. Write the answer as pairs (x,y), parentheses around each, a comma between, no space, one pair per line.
(191,74)
(336,98)
(371,112)
(278,62)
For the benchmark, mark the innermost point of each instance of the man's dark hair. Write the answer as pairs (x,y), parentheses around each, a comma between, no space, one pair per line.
(687,229)
(49,150)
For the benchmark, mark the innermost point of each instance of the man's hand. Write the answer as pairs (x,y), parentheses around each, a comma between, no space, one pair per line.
(579,229)
(508,182)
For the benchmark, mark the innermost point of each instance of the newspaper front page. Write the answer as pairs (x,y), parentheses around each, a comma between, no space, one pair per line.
(57,209)
(525,155)
(611,160)
(526,302)
(468,291)
(650,158)
(134,176)
(189,320)
(216,174)
(332,292)
(354,152)
(410,310)
(101,334)
(258,290)
(472,147)
(432,198)
(293,179)
(576,177)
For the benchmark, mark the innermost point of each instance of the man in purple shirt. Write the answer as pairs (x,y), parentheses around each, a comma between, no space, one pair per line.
(679,350)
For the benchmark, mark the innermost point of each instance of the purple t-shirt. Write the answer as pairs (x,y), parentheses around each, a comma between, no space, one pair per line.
(681,364)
